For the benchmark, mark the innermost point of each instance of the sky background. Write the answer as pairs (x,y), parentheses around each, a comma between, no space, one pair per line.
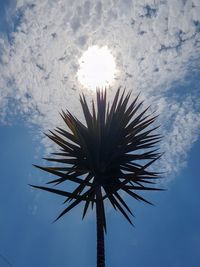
(156,45)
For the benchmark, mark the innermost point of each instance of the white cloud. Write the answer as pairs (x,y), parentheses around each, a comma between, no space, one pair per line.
(155,43)
(183,129)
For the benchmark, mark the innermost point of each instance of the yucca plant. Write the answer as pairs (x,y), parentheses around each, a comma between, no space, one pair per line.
(108,154)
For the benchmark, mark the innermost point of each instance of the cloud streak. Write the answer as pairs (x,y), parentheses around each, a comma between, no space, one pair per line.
(155,43)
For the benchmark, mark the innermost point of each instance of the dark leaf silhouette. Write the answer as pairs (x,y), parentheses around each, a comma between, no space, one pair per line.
(108,154)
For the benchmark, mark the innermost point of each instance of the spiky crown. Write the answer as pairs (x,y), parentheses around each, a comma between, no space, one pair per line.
(112,150)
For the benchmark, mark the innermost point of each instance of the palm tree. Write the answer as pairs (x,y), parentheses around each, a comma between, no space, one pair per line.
(107,155)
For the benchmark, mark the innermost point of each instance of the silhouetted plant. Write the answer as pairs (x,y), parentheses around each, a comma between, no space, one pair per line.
(107,155)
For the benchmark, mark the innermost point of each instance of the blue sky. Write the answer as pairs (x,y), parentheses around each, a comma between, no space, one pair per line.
(165,235)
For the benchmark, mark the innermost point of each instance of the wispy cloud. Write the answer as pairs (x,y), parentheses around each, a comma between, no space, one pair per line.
(155,43)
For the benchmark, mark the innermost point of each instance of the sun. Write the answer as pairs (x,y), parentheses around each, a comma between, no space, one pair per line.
(97,68)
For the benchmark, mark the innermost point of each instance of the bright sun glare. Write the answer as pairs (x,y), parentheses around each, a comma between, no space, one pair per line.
(97,68)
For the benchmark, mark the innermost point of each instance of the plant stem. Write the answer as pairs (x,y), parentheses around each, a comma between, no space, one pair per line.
(100,229)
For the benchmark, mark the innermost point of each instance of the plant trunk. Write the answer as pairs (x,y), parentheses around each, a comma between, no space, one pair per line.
(100,229)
